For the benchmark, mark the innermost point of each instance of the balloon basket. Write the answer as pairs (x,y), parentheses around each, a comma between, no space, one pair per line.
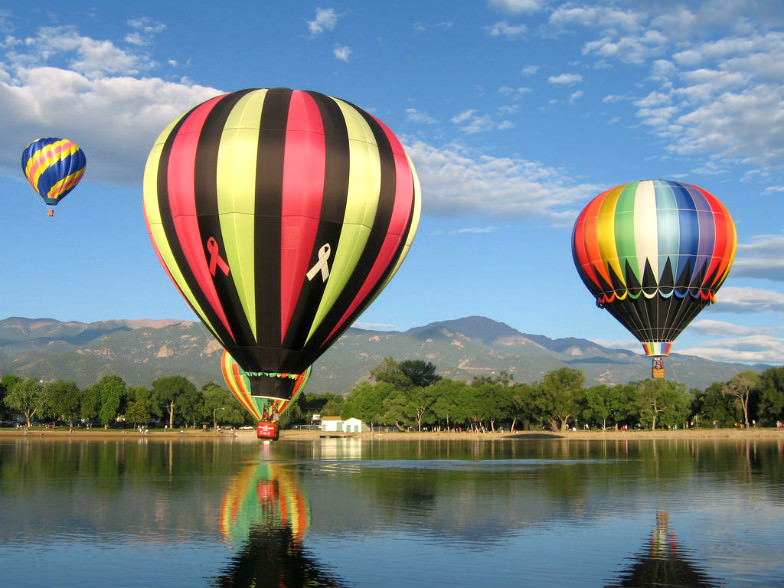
(267,430)
(657,368)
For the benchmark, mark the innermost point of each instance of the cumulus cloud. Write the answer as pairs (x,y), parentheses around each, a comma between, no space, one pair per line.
(711,328)
(414,115)
(749,349)
(144,30)
(517,6)
(460,181)
(342,52)
(504,29)
(565,79)
(326,20)
(746,300)
(92,97)
(763,257)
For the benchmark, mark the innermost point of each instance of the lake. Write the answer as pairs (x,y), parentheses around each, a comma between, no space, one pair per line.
(358,513)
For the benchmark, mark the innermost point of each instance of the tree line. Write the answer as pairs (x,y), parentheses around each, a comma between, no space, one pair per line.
(410,395)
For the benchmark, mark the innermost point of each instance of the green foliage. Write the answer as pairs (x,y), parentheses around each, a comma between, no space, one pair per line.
(771,396)
(176,393)
(62,401)
(712,407)
(27,397)
(662,402)
(560,396)
(407,374)
(741,387)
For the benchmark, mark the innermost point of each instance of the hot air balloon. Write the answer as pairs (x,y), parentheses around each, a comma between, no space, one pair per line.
(53,167)
(279,215)
(654,253)
(263,409)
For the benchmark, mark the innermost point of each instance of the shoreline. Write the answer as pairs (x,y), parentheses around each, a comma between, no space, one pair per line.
(755,434)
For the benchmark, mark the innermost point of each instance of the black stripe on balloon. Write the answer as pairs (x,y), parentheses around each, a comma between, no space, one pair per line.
(366,261)
(167,222)
(383,141)
(207,214)
(267,230)
(331,217)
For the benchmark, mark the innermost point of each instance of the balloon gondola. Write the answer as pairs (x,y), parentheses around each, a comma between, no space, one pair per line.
(279,215)
(653,254)
(53,167)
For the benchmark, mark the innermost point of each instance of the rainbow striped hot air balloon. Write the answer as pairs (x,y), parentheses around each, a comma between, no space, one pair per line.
(53,167)
(279,215)
(654,253)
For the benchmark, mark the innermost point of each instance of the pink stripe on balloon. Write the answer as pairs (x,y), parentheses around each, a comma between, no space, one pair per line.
(181,189)
(302,193)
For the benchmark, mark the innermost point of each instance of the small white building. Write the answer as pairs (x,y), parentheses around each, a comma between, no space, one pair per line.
(336,424)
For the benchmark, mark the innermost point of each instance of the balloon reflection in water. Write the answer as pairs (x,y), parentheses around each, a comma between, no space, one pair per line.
(664,563)
(265,516)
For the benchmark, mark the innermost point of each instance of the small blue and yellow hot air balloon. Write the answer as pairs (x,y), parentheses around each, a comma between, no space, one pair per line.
(53,167)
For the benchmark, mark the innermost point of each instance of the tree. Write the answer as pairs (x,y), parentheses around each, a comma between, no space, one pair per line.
(662,400)
(771,396)
(221,406)
(741,387)
(366,402)
(171,392)
(6,382)
(711,406)
(560,395)
(407,374)
(27,397)
(111,391)
(420,373)
(62,400)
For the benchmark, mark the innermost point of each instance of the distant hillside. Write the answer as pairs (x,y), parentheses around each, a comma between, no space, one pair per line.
(140,351)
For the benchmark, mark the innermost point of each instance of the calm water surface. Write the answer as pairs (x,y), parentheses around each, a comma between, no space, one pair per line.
(345,512)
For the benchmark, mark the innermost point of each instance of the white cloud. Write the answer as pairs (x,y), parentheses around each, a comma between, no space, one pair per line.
(114,118)
(63,46)
(517,6)
(413,115)
(565,79)
(504,29)
(459,181)
(763,257)
(326,20)
(144,29)
(342,52)
(529,70)
(604,17)
(575,96)
(711,328)
(748,349)
(746,300)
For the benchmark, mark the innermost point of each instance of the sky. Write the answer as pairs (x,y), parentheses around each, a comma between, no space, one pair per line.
(515,113)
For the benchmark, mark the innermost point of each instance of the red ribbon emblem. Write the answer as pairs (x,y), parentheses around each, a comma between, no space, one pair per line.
(216,261)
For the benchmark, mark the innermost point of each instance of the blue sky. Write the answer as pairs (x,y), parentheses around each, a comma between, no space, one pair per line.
(515,113)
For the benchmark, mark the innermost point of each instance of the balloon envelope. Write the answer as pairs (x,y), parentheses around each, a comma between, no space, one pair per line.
(258,406)
(279,215)
(654,253)
(53,167)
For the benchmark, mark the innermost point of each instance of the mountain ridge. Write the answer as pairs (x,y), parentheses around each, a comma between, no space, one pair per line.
(142,350)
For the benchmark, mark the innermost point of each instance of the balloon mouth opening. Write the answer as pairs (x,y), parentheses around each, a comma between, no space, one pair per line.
(657,348)
(269,385)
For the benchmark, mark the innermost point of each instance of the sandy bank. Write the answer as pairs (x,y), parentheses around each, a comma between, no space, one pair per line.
(758,433)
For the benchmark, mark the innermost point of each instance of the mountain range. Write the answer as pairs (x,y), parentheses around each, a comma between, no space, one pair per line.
(140,351)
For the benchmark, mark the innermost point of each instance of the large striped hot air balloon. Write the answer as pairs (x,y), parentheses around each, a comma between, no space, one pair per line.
(654,253)
(280,215)
(53,167)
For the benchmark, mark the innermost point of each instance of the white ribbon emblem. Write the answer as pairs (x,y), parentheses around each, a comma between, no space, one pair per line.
(321,264)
